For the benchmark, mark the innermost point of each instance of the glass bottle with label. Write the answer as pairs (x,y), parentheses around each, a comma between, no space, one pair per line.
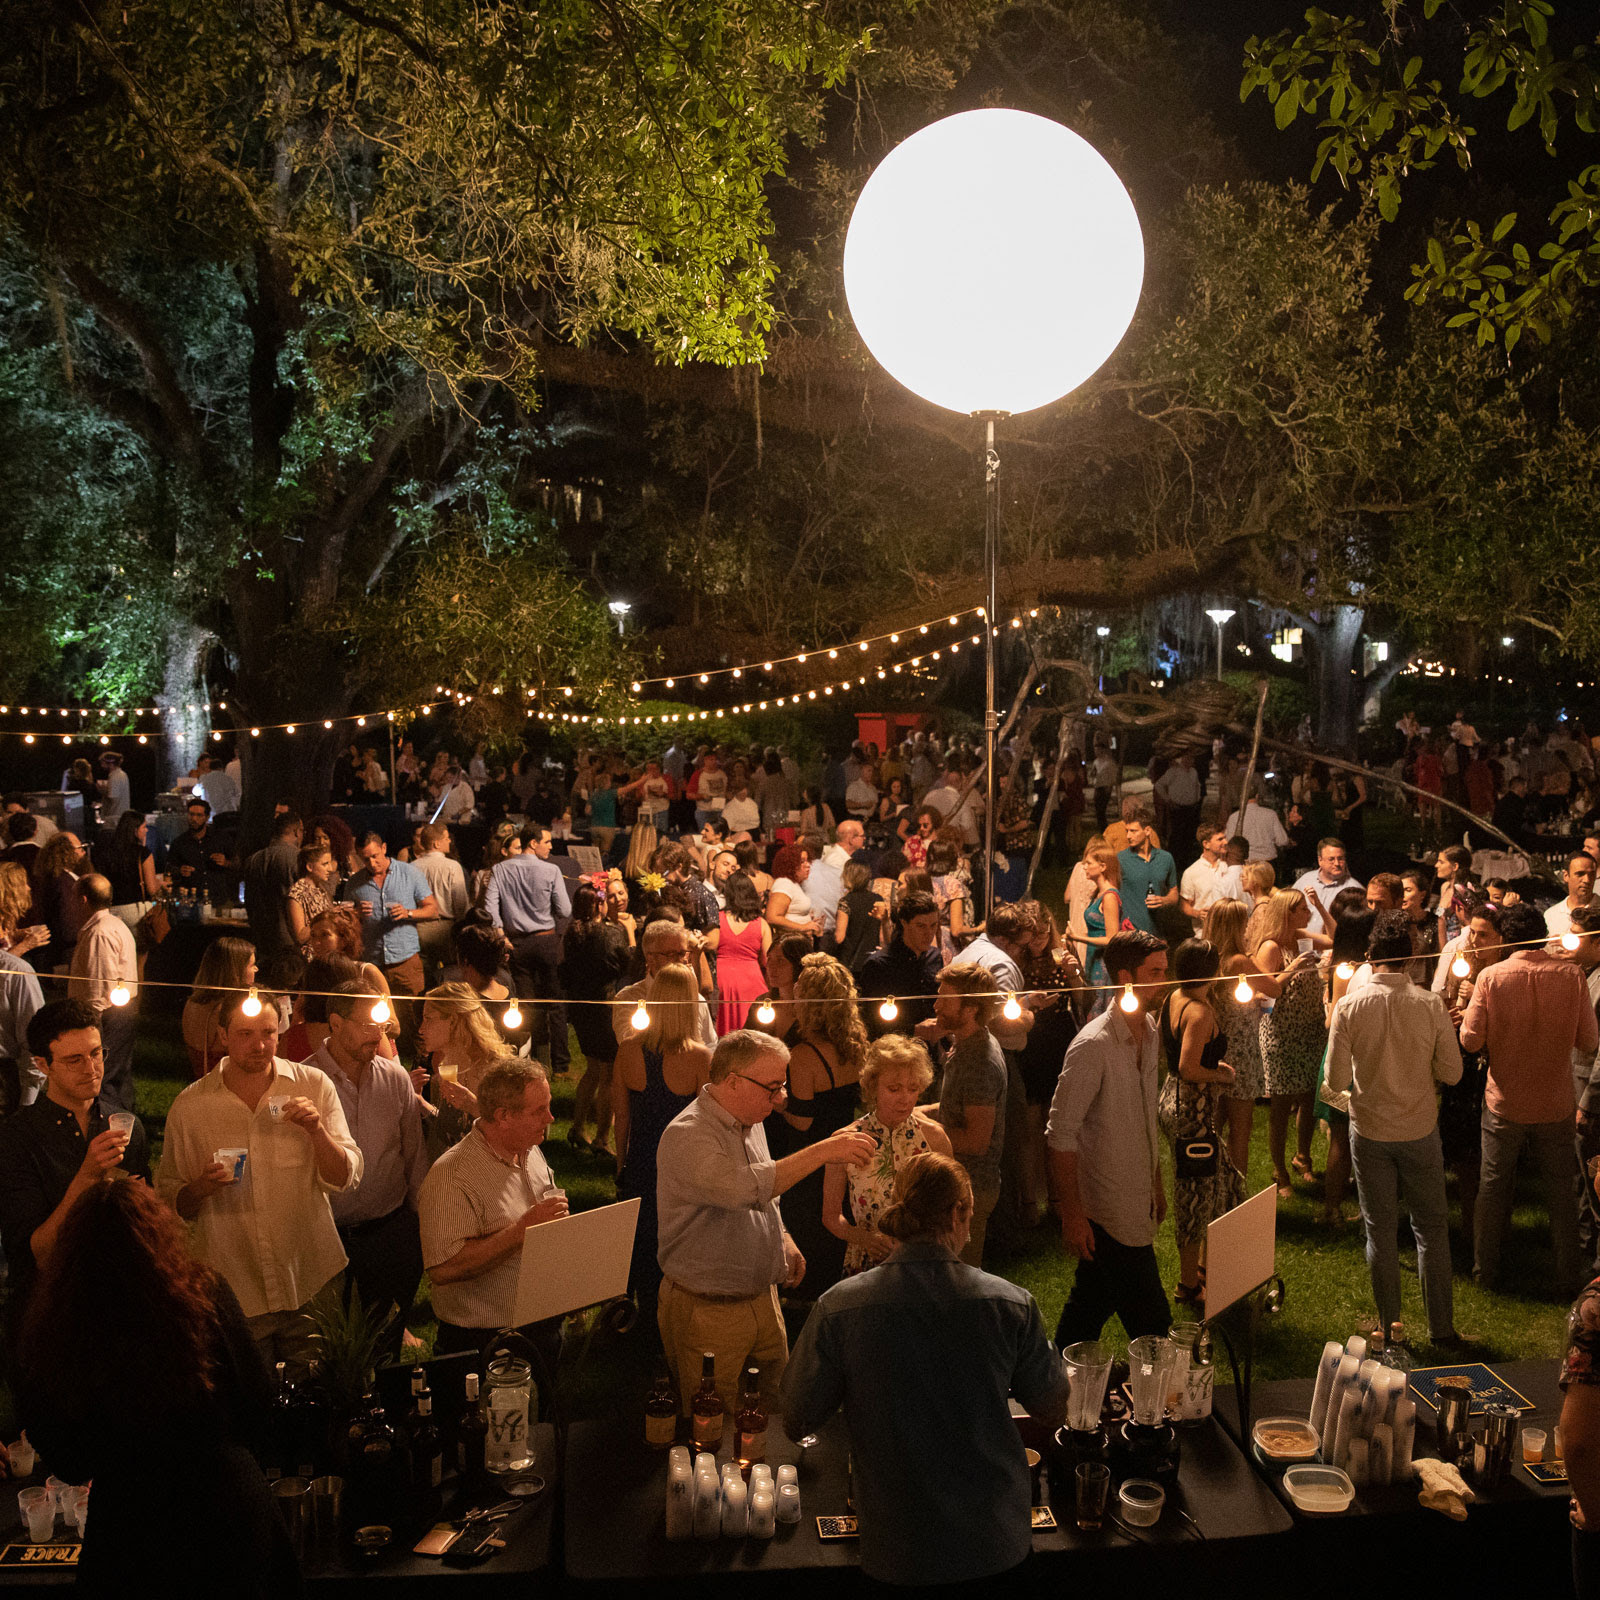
(661,1414)
(427,1445)
(750,1422)
(707,1408)
(1398,1354)
(471,1436)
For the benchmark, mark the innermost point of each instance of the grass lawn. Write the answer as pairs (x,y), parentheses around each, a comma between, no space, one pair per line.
(1324,1270)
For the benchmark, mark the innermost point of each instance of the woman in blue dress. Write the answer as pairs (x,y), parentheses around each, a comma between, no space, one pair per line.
(1102,917)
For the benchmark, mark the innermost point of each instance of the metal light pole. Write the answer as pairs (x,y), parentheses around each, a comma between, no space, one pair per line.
(991,645)
(1221,616)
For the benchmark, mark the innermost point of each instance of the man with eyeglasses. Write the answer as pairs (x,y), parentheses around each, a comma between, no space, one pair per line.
(722,1245)
(58,1148)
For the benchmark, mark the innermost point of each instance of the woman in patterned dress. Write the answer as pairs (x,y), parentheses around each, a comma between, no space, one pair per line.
(1224,926)
(895,1073)
(1295,1032)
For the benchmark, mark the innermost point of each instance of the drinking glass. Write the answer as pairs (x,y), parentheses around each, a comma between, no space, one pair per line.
(447,1071)
(1094,1489)
(120,1122)
(1533,1444)
(38,1510)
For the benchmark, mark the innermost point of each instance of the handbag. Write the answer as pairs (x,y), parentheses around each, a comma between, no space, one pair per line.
(1196,1157)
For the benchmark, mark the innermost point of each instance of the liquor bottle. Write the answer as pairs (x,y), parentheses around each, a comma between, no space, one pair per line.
(282,1442)
(661,1414)
(1398,1355)
(707,1408)
(379,1474)
(471,1434)
(419,1387)
(751,1421)
(427,1446)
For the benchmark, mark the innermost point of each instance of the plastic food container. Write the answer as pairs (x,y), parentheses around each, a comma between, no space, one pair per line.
(1285,1439)
(1318,1490)
(1141,1500)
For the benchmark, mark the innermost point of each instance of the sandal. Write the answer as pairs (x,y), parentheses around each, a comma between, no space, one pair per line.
(1186,1296)
(1301,1167)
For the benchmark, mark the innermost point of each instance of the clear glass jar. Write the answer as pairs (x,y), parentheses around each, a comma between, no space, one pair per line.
(1193,1377)
(507,1406)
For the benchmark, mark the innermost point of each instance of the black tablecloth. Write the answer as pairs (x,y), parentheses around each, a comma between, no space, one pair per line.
(1515,1533)
(615,1520)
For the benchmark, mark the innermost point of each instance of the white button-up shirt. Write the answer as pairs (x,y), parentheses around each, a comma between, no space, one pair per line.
(385,1119)
(270,1234)
(1390,1044)
(104,956)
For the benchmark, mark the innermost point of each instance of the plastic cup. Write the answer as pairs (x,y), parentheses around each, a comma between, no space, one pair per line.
(447,1071)
(1533,1444)
(234,1158)
(77,1512)
(38,1509)
(22,1457)
(1094,1489)
(275,1105)
(120,1122)
(58,1488)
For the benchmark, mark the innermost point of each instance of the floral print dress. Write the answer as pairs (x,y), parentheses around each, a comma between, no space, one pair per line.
(1294,1035)
(871,1191)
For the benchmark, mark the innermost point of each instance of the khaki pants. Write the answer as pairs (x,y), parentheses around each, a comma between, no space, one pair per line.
(983,1204)
(736,1332)
(291,1335)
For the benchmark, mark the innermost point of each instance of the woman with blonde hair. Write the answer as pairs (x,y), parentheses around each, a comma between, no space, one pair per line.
(228,966)
(642,841)
(824,1088)
(657,1074)
(16,901)
(1294,1033)
(893,1077)
(457,1031)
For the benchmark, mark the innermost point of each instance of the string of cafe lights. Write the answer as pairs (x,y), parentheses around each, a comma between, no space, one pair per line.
(1128,994)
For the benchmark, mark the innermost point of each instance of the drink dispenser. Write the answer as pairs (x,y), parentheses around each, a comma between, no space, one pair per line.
(1084,1438)
(1146,1446)
(1149,1370)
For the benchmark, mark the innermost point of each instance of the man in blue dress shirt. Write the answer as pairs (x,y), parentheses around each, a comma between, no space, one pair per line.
(527,897)
(391,897)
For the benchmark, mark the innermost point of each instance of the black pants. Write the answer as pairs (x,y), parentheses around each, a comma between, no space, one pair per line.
(118,1025)
(1102,805)
(1585,1564)
(385,1266)
(1121,1280)
(1182,822)
(545,1337)
(536,971)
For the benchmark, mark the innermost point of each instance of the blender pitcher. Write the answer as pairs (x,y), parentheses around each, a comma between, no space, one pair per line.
(1150,1362)
(1088,1367)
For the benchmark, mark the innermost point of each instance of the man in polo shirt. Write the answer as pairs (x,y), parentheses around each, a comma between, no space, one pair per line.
(1211,878)
(58,1148)
(825,883)
(478,1201)
(1530,1012)
(1104,1167)
(1182,791)
(391,898)
(268,877)
(269,1231)
(720,1238)
(1149,875)
(377,1222)
(1320,885)
(527,897)
(1260,824)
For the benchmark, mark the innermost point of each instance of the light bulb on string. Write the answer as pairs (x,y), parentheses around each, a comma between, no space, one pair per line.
(381,1011)
(640,1020)
(251,1004)
(766,1014)
(1012,1009)
(511,1016)
(1344,972)
(1570,940)
(1243,993)
(1461,967)
(1129,1001)
(888,1011)
(121,994)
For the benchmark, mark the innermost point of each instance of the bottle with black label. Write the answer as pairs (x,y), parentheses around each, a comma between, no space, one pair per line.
(751,1420)
(661,1413)
(707,1408)
(471,1433)
(427,1445)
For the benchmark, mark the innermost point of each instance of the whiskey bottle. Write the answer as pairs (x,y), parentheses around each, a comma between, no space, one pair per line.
(751,1421)
(661,1414)
(707,1408)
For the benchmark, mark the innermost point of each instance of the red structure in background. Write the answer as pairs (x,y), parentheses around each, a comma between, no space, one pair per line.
(884,728)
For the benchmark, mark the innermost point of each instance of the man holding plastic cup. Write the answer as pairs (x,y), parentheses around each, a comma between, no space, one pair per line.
(252,1152)
(62,1145)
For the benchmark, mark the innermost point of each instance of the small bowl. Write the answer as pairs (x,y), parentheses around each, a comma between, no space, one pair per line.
(1318,1490)
(1142,1500)
(1285,1439)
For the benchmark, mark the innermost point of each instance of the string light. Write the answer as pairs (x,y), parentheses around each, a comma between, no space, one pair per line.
(1344,972)
(888,1011)
(640,1020)
(1461,967)
(381,1011)
(1570,941)
(1012,1009)
(251,1004)
(766,1014)
(1129,1001)
(121,994)
(512,1017)
(1243,993)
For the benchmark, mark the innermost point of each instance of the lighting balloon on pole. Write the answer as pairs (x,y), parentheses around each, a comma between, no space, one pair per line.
(992,264)
(1222,617)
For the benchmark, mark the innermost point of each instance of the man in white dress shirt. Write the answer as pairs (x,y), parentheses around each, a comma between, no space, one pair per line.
(104,958)
(268,1228)
(1579,879)
(1211,878)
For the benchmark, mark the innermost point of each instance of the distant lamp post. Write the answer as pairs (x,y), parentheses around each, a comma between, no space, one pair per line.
(1222,617)
(1506,641)
(992,264)
(1102,633)
(620,609)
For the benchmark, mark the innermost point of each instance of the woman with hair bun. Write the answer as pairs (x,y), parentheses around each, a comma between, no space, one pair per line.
(922,1351)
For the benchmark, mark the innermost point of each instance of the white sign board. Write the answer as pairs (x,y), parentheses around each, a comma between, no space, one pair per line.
(575,1261)
(587,856)
(1241,1250)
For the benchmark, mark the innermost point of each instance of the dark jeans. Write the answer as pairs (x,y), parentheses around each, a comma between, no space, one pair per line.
(1102,805)
(385,1266)
(1182,821)
(1121,1280)
(118,1025)
(536,971)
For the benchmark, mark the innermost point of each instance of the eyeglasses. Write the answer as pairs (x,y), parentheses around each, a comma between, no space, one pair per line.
(773,1091)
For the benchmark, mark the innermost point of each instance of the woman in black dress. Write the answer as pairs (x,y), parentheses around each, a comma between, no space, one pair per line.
(137,1370)
(595,956)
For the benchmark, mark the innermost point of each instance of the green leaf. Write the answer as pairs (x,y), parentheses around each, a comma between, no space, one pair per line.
(1461,319)
(1436,257)
(1505,225)
(1513,333)
(1288,105)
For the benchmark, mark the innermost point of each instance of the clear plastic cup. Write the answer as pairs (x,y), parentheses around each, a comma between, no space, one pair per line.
(1533,1444)
(76,1510)
(22,1457)
(233,1158)
(38,1510)
(275,1105)
(120,1122)
(57,1487)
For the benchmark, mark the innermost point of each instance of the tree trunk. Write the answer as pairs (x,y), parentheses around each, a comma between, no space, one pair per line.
(1333,656)
(183,698)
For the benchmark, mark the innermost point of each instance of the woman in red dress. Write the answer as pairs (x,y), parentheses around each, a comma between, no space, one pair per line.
(742,939)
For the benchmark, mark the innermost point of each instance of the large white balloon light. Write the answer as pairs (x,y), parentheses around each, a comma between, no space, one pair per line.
(993,262)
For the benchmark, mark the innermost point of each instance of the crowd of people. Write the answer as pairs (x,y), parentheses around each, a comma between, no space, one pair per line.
(788,1003)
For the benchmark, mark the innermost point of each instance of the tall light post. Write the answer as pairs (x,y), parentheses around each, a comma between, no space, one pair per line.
(992,264)
(1102,633)
(620,609)
(1222,617)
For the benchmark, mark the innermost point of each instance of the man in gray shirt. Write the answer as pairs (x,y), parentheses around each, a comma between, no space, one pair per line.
(720,1238)
(1104,1168)
(972,1096)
